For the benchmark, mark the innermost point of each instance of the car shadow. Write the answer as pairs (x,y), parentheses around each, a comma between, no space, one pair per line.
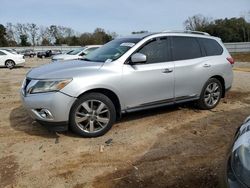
(156,111)
(21,121)
(17,67)
(188,156)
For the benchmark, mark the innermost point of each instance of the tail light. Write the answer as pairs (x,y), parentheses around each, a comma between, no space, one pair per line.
(231,60)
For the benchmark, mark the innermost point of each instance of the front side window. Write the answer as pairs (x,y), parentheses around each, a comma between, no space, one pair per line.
(156,50)
(112,50)
(185,48)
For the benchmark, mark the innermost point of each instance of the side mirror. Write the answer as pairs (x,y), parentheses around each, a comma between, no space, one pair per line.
(82,54)
(138,58)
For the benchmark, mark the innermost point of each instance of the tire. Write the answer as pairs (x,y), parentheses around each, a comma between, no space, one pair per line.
(10,64)
(210,95)
(92,115)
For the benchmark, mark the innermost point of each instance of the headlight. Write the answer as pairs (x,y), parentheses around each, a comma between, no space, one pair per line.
(240,162)
(42,86)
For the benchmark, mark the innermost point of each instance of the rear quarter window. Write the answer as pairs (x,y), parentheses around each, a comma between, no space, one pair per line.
(211,46)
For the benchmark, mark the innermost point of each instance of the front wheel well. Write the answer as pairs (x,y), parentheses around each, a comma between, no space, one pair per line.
(222,81)
(9,60)
(111,95)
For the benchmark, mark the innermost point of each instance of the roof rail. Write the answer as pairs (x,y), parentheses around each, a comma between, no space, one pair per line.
(186,31)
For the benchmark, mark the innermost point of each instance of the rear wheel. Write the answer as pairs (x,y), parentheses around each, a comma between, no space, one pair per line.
(10,64)
(92,115)
(211,94)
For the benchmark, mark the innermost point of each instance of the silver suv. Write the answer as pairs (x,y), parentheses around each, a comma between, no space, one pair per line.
(129,74)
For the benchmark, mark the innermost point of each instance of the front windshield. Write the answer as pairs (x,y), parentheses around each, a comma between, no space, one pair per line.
(75,52)
(112,50)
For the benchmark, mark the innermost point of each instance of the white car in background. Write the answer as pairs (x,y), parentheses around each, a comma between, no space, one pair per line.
(10,59)
(75,54)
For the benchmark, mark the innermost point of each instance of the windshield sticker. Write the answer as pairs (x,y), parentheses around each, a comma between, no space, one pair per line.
(128,44)
(108,61)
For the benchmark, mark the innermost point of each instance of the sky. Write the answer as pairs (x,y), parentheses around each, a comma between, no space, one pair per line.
(120,16)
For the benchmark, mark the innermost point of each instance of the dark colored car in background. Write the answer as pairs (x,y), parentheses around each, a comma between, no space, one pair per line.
(238,164)
(28,53)
(48,53)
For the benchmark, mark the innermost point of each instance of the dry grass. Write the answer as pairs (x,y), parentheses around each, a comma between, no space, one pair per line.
(241,57)
(241,69)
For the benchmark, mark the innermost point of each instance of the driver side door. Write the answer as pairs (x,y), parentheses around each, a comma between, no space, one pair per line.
(152,82)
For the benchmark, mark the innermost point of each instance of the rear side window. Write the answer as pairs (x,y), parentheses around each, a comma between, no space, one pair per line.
(2,53)
(185,48)
(156,50)
(212,47)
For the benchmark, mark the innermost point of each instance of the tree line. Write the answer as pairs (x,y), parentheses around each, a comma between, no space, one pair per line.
(30,34)
(229,30)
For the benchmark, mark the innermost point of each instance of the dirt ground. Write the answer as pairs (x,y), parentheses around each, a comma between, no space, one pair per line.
(177,146)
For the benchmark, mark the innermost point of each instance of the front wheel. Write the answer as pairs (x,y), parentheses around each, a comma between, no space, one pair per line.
(210,95)
(92,115)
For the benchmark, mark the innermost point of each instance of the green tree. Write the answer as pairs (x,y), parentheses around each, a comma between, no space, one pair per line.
(3,40)
(100,36)
(229,30)
(24,40)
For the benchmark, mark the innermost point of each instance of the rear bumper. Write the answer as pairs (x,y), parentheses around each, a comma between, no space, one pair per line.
(19,62)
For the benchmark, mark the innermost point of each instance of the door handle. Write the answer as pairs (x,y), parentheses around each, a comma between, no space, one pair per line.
(206,65)
(167,71)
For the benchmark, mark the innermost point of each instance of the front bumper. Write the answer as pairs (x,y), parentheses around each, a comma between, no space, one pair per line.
(57,104)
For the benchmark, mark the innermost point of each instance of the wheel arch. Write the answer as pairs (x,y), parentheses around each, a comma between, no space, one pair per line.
(110,94)
(222,81)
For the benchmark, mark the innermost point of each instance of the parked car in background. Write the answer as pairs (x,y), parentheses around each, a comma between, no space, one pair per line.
(129,74)
(28,53)
(238,163)
(76,54)
(10,59)
(48,53)
(13,51)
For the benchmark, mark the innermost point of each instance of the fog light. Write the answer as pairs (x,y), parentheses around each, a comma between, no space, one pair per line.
(45,114)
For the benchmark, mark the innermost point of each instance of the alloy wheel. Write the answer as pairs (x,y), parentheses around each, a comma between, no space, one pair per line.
(212,94)
(9,64)
(92,116)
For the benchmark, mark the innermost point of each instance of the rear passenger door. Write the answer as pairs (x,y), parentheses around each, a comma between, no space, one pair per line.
(190,73)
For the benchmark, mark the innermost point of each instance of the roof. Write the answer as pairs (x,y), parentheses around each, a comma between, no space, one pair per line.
(143,35)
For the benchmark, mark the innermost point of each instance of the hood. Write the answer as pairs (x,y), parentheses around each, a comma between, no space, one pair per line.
(67,69)
(65,57)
